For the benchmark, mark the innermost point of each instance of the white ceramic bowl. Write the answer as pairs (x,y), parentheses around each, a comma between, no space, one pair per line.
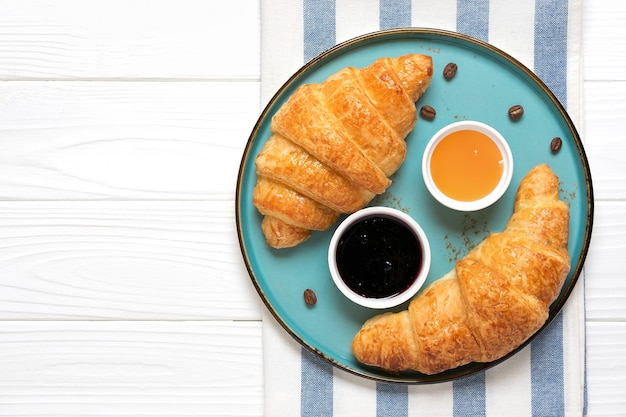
(416,281)
(500,188)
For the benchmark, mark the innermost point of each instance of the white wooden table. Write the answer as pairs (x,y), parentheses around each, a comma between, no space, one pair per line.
(122,289)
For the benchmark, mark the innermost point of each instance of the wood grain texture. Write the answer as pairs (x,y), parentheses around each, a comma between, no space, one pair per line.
(123,140)
(605,289)
(604,72)
(154,260)
(603,138)
(130,369)
(136,39)
(604,31)
(122,290)
(606,371)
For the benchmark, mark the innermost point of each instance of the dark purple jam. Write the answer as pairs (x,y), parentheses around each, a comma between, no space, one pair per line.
(378,257)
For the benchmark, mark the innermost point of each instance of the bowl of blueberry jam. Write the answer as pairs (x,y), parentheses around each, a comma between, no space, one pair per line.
(379,257)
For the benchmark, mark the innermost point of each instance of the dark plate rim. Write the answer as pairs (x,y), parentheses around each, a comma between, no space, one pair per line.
(555,309)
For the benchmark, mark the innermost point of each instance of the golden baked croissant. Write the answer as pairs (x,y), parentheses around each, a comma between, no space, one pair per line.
(494,299)
(335,144)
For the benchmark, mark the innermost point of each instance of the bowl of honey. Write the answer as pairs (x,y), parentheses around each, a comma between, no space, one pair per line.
(467,165)
(379,257)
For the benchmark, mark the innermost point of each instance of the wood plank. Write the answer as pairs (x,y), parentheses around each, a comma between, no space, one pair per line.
(188,368)
(606,371)
(131,369)
(155,260)
(137,39)
(604,31)
(604,110)
(605,287)
(123,140)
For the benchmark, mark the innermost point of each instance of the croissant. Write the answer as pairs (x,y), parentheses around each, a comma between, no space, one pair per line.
(494,299)
(335,144)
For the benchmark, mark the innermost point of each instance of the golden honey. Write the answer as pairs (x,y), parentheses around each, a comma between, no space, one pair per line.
(466,165)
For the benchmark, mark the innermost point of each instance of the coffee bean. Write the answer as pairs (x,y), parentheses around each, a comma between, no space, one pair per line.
(515,112)
(428,112)
(309,297)
(556,144)
(450,70)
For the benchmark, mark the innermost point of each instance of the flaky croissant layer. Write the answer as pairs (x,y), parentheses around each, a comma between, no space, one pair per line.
(494,299)
(335,144)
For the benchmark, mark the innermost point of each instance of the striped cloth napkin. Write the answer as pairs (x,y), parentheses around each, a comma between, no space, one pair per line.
(547,378)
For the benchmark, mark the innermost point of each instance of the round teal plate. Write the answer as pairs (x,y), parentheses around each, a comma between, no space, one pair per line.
(487,83)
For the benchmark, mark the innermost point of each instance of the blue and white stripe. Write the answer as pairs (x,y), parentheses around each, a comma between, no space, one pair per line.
(541,40)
